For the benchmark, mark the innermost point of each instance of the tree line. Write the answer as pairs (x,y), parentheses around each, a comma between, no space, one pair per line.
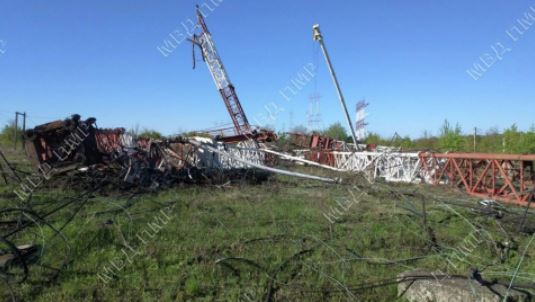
(450,138)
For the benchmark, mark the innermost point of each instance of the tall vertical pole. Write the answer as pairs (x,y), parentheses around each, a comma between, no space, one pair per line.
(23,128)
(318,37)
(15,130)
(475,136)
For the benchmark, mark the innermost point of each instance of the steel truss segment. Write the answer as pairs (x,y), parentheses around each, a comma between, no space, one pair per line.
(392,166)
(221,79)
(229,156)
(505,177)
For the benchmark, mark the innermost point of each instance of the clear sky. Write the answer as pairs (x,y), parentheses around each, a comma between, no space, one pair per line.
(408,59)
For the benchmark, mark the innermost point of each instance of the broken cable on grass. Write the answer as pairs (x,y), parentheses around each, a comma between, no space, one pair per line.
(272,290)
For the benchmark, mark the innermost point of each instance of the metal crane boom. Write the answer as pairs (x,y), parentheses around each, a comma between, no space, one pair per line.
(219,74)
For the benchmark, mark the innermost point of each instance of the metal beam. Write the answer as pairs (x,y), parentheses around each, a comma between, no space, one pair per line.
(318,37)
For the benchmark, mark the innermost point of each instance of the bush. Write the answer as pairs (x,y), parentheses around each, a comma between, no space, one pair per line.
(450,137)
(6,136)
(150,134)
(336,131)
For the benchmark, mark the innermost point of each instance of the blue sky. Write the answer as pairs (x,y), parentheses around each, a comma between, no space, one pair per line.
(408,59)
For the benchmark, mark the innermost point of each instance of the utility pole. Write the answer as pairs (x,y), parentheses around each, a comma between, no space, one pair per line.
(23,129)
(16,130)
(475,137)
(318,37)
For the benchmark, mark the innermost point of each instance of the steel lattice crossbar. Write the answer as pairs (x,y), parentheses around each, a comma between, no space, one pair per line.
(505,177)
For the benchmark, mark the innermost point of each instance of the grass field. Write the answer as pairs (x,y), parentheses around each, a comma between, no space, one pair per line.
(285,239)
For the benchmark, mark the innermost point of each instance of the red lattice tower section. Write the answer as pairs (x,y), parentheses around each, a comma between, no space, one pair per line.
(505,177)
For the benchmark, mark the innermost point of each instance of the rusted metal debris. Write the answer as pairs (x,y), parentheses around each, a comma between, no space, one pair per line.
(74,144)
(315,142)
(505,177)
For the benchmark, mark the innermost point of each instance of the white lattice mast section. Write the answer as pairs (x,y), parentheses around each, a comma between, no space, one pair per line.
(219,74)
(391,166)
(361,124)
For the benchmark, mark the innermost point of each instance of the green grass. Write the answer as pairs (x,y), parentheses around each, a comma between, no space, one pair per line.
(235,243)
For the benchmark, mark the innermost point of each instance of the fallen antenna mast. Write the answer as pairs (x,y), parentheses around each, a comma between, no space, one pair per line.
(318,37)
(217,70)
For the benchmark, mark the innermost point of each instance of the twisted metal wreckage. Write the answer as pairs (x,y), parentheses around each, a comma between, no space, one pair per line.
(505,177)
(76,144)
(61,147)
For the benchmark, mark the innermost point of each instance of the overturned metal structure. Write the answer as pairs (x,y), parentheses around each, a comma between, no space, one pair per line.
(74,143)
(66,144)
(505,177)
(78,145)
